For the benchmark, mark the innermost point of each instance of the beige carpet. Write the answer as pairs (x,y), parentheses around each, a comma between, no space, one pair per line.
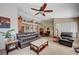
(52,49)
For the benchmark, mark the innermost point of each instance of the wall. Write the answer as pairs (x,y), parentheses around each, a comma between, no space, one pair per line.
(65,25)
(48,23)
(9,10)
(61,20)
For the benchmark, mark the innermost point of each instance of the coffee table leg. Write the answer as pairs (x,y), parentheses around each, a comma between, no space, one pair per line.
(37,51)
(30,47)
(47,43)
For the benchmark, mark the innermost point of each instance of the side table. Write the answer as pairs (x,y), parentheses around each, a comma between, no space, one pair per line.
(56,38)
(11,45)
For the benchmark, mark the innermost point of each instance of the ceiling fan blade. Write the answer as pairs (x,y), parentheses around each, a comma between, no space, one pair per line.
(34,9)
(48,11)
(44,6)
(37,13)
(43,14)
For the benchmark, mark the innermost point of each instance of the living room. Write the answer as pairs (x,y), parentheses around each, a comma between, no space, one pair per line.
(53,26)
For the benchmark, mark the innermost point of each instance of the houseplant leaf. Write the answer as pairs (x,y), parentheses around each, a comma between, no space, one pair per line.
(7,34)
(3,33)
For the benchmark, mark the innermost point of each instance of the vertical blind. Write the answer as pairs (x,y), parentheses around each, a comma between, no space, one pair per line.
(67,27)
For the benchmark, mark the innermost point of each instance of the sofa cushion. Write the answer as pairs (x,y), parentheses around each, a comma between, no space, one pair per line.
(67,38)
(66,34)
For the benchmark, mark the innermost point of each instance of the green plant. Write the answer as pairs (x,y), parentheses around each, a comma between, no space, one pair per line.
(7,34)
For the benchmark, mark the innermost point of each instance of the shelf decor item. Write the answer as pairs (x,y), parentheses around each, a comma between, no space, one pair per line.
(7,34)
(4,22)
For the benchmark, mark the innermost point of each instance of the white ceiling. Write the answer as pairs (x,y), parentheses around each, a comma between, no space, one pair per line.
(60,10)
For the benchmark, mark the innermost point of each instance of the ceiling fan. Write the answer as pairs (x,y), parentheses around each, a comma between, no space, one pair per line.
(42,10)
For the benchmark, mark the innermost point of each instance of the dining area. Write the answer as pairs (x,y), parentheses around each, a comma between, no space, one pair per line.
(45,33)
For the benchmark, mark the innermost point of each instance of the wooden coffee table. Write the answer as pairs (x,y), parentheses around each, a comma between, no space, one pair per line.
(38,45)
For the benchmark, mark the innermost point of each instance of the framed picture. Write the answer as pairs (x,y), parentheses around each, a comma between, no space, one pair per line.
(4,22)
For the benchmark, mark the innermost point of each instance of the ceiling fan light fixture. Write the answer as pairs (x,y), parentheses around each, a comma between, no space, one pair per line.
(42,10)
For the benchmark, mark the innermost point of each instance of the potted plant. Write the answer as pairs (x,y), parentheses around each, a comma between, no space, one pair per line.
(7,34)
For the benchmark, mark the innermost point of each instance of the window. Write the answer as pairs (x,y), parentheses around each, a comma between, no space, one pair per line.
(67,27)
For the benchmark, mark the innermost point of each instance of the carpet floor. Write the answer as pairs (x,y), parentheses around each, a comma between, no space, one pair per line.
(53,48)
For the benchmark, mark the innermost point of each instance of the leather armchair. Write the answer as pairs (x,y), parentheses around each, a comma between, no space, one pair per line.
(66,39)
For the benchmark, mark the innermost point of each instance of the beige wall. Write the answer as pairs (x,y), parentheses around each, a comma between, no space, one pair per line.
(64,20)
(10,11)
(61,20)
